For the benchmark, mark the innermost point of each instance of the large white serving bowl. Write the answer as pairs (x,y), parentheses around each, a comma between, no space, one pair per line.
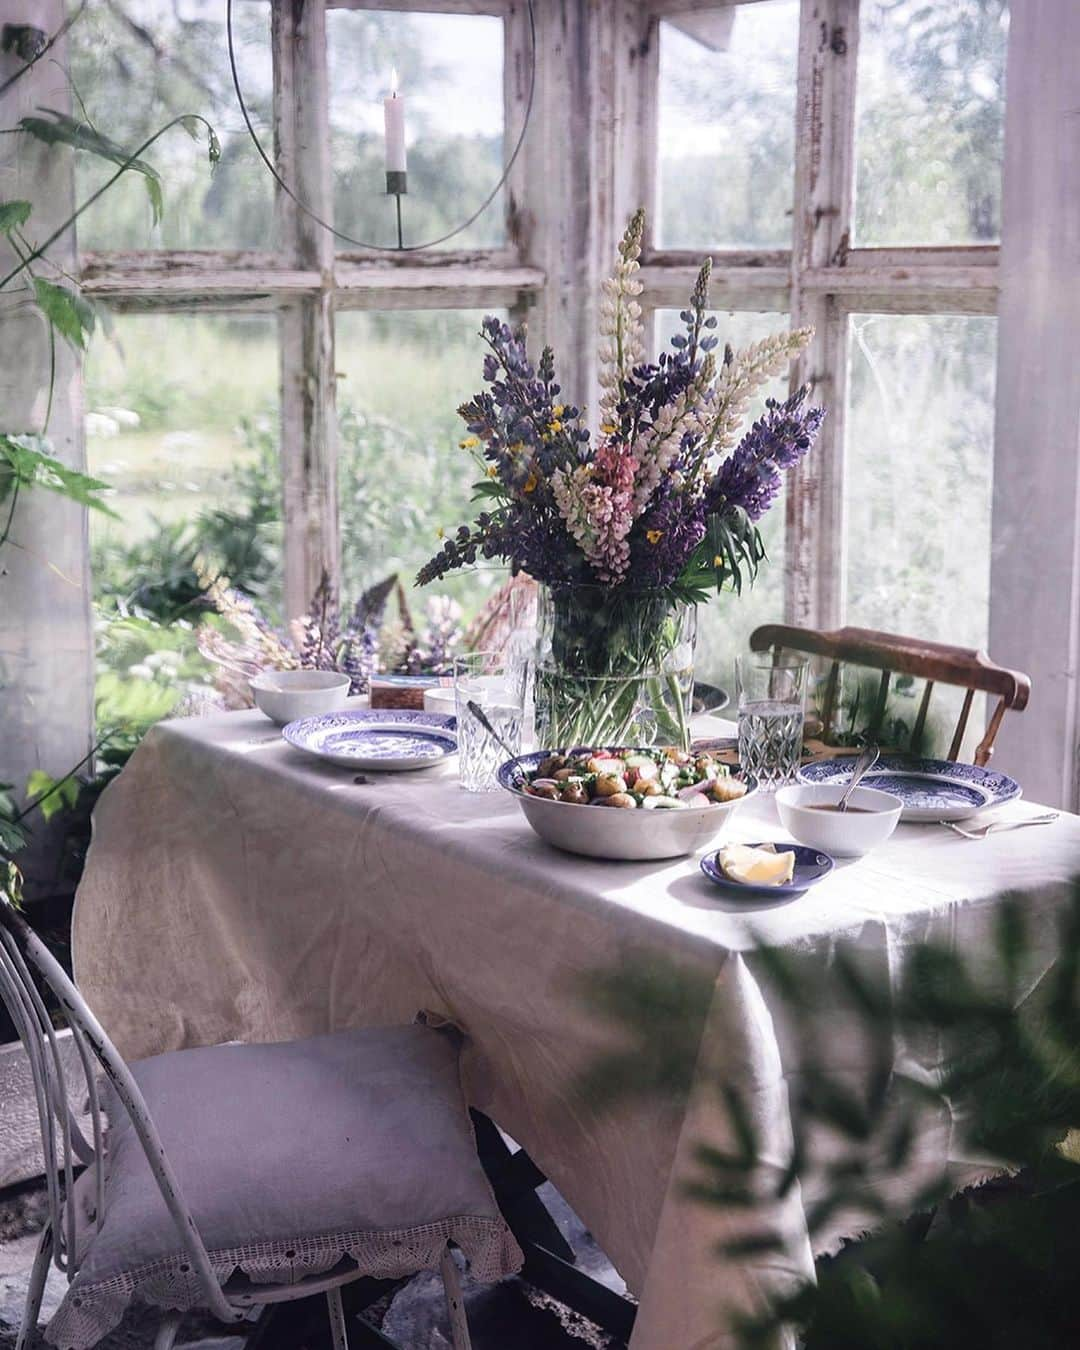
(287,695)
(847,834)
(623,836)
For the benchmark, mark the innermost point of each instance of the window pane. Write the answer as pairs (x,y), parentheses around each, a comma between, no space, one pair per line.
(137,65)
(726,140)
(182,421)
(726,622)
(450,73)
(919,472)
(930,106)
(402,474)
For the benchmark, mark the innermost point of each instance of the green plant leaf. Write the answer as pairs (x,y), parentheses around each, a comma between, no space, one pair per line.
(70,314)
(487,487)
(65,130)
(194,126)
(56,794)
(12,837)
(22,462)
(11,881)
(13,215)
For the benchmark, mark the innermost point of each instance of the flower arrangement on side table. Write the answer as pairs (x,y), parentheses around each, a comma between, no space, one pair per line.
(628,530)
(364,641)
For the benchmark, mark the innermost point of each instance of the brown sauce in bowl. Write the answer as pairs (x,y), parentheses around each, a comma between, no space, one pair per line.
(835,806)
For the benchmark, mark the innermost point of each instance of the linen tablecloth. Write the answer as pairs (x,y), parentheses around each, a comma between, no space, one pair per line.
(236,890)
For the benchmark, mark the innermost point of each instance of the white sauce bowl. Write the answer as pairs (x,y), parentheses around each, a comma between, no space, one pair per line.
(844,834)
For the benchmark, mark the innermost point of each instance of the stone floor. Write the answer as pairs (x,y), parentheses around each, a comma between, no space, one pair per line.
(508,1316)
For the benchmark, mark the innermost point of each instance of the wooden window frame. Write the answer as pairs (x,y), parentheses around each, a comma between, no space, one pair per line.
(308,279)
(820,280)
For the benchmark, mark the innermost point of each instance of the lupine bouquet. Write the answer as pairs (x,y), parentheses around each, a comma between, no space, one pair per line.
(654,510)
(665,495)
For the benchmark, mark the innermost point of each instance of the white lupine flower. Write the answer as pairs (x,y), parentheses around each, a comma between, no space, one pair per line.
(620,317)
(739,379)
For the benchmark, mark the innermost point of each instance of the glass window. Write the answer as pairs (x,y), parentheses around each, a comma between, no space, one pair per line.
(401,472)
(919,474)
(726,622)
(930,104)
(133,68)
(182,422)
(450,75)
(726,137)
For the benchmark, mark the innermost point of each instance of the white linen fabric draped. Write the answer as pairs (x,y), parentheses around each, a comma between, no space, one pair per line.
(236,890)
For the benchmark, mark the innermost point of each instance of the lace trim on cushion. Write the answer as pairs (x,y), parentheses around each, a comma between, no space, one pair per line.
(88,1311)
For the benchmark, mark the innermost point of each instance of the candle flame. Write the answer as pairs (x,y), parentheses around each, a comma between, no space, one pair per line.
(393,82)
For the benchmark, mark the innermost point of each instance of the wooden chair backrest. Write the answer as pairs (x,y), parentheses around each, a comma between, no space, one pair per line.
(935,662)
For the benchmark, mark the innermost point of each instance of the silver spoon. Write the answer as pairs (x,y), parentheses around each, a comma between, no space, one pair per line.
(868,757)
(485,722)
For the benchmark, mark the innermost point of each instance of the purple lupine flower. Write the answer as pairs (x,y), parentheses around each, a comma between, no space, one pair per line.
(318,648)
(746,481)
(751,477)
(357,657)
(666,537)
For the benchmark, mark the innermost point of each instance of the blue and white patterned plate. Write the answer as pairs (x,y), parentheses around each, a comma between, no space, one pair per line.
(931,789)
(810,866)
(376,738)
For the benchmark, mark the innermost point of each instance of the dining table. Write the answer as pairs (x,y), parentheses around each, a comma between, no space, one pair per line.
(237,889)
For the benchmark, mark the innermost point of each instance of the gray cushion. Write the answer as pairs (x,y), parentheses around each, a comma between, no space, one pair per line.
(292,1156)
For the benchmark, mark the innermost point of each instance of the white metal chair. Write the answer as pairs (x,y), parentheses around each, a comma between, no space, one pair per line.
(126,1231)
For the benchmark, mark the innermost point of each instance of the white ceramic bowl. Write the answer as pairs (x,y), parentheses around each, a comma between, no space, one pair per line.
(441,699)
(625,836)
(286,695)
(847,834)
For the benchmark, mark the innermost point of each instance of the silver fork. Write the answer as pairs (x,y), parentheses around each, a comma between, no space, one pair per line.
(981,831)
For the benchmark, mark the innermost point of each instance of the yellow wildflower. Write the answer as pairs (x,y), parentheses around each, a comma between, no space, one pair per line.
(718,561)
(493,472)
(558,410)
(554,426)
(654,536)
(469,443)
(608,428)
(531,483)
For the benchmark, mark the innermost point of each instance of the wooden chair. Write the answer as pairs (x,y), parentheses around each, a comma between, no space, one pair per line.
(334,1158)
(935,662)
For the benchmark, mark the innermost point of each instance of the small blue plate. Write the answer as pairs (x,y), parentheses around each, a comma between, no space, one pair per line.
(810,866)
(376,738)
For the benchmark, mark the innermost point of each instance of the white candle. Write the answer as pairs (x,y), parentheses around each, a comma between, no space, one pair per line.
(394,114)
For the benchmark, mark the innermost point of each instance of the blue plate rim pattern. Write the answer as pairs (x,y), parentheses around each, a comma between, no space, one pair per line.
(1001,787)
(713,872)
(442,726)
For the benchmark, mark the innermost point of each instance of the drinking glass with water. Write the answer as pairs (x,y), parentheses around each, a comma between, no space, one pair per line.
(496,684)
(772,700)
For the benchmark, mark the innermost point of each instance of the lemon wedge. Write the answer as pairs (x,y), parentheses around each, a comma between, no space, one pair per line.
(756,866)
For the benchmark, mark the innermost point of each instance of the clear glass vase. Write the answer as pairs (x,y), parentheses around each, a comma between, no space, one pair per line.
(613,667)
